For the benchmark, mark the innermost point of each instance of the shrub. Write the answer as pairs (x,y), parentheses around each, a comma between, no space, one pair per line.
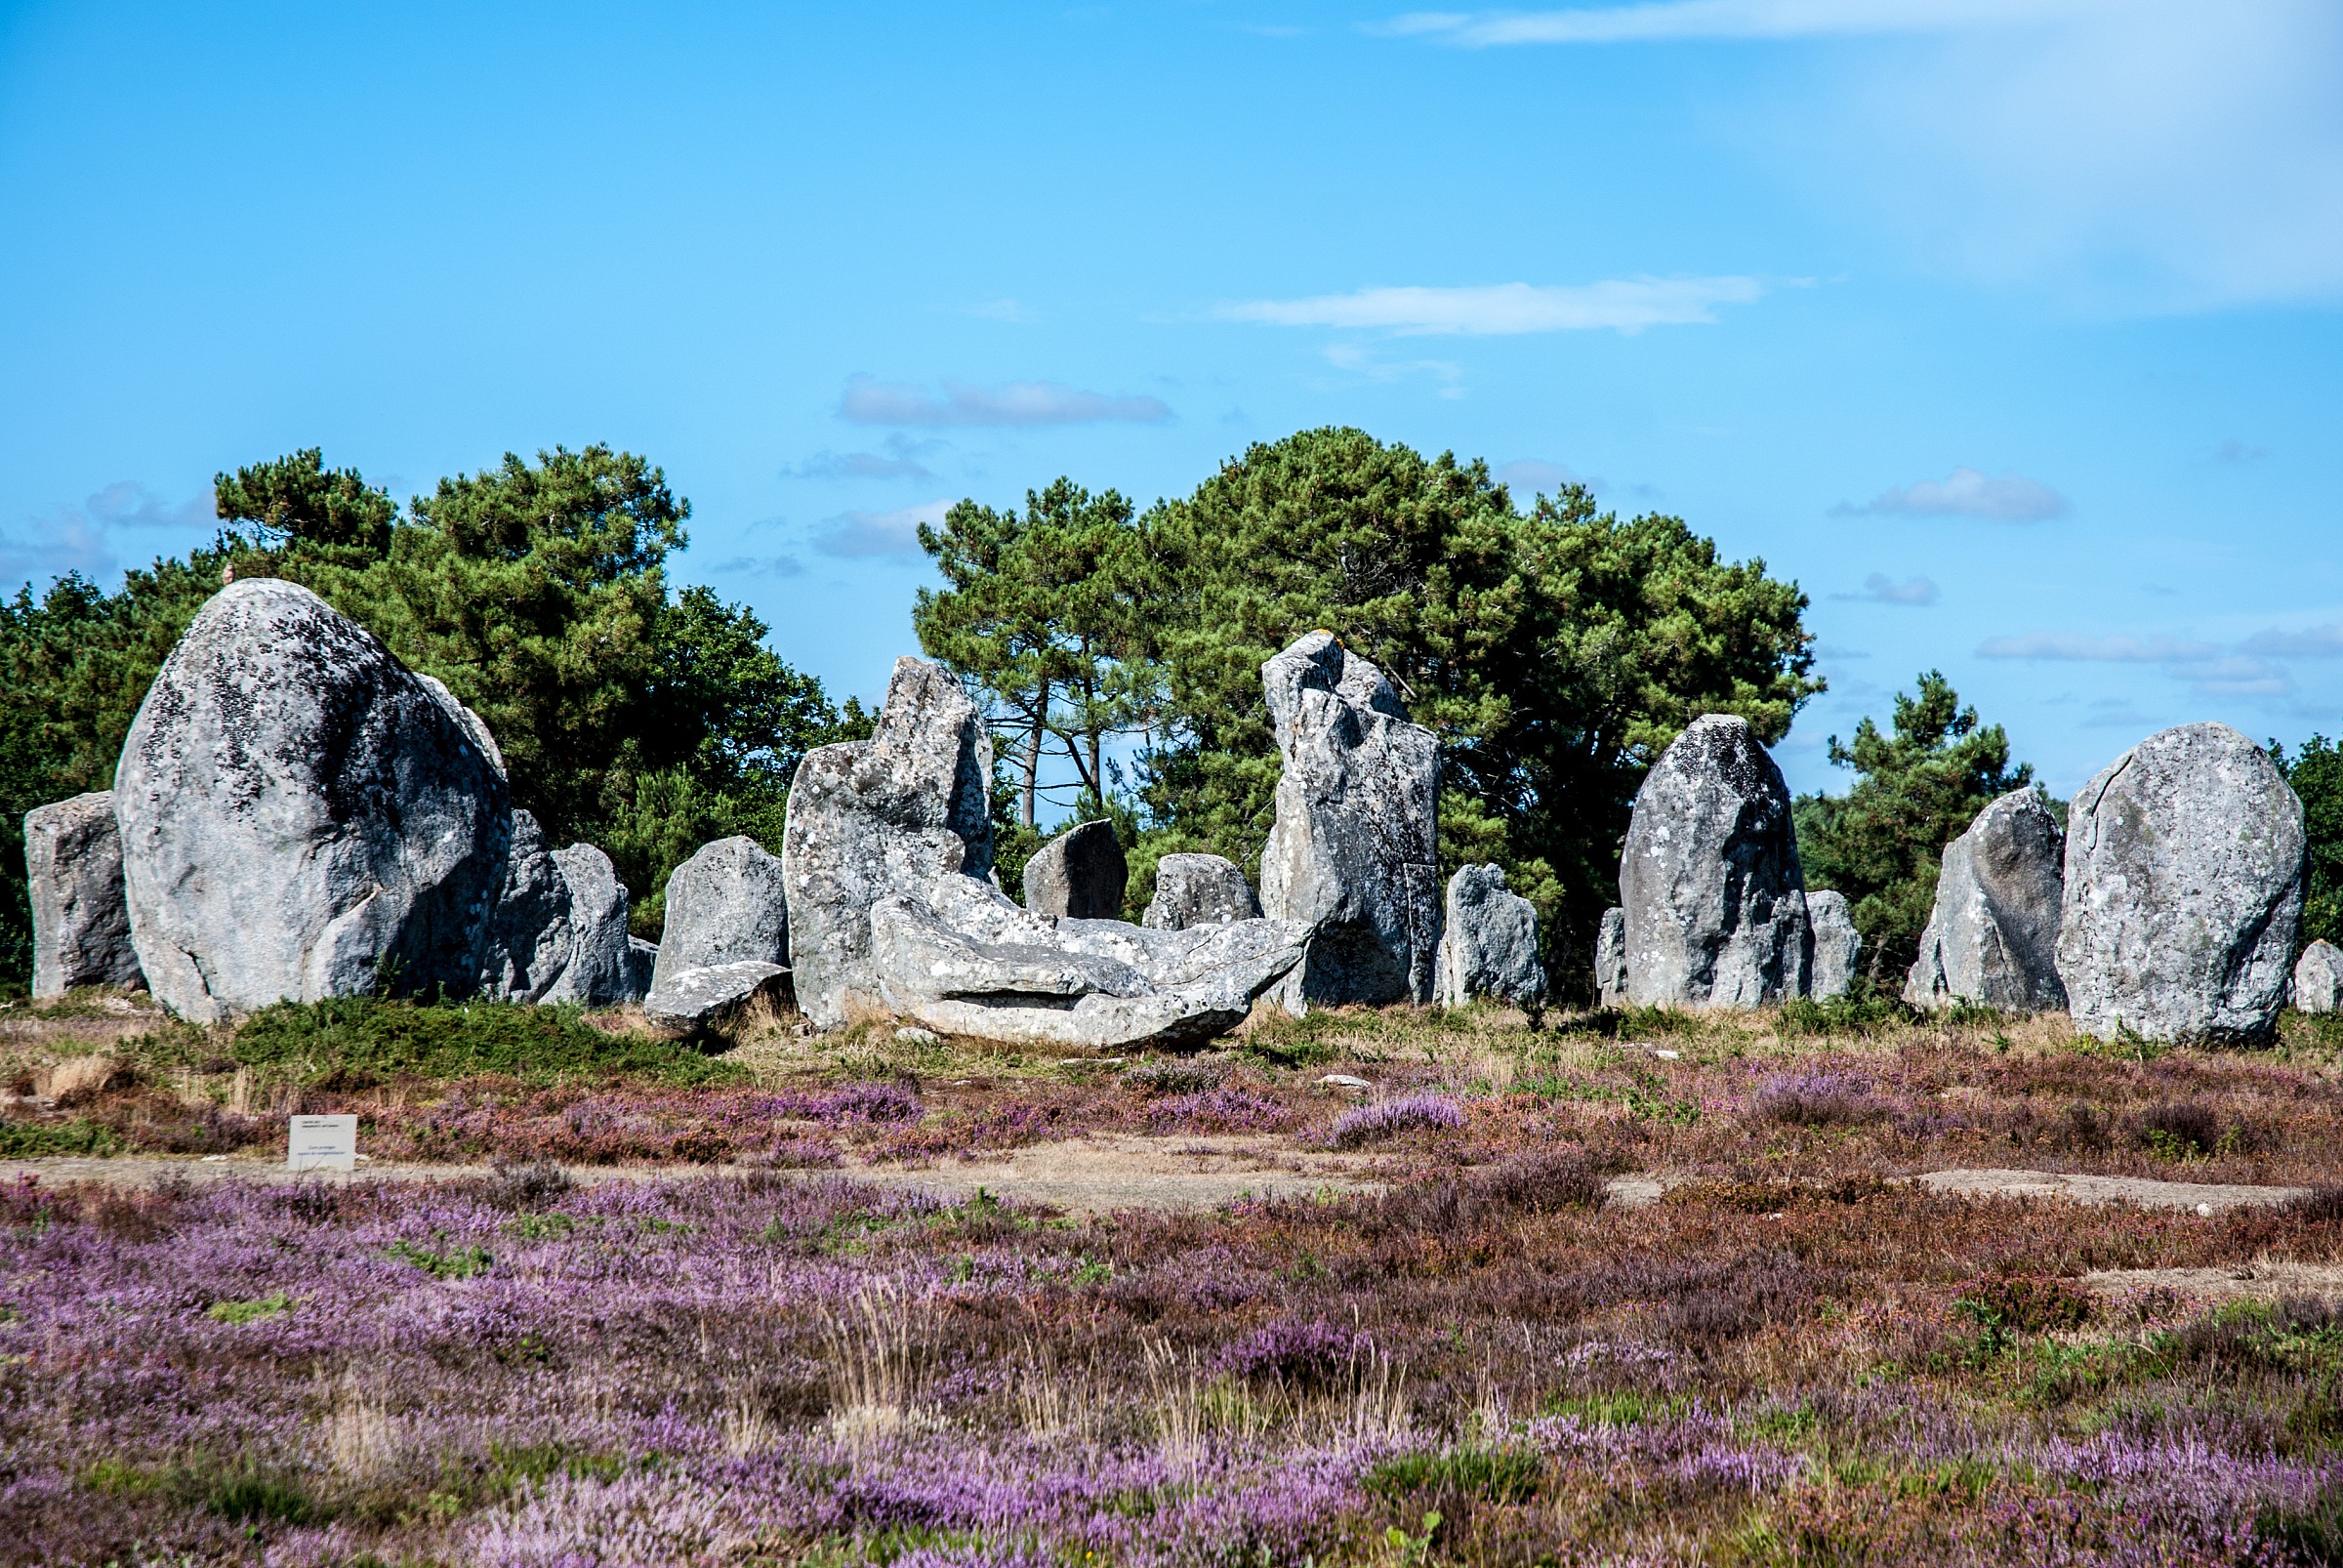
(2027,1303)
(1306,1354)
(1817,1099)
(1495,1475)
(1175,1077)
(2181,1129)
(354,1042)
(26,1140)
(1392,1117)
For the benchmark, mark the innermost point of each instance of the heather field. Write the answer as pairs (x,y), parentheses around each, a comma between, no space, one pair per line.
(1631,1287)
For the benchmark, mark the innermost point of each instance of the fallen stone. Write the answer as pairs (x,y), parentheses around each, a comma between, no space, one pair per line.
(1993,933)
(80,919)
(689,1002)
(1199,890)
(1345,1081)
(914,1035)
(2096,1190)
(1078,875)
(1611,959)
(1488,942)
(875,817)
(302,816)
(887,856)
(727,904)
(1837,945)
(1715,905)
(1353,852)
(2319,979)
(2184,873)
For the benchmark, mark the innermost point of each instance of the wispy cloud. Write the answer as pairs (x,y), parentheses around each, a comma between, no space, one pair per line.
(2233,450)
(82,538)
(1966,493)
(2311,642)
(1503,310)
(1674,20)
(1880,589)
(1360,361)
(2112,648)
(1541,477)
(128,503)
(781,566)
(900,460)
(868,402)
(870,535)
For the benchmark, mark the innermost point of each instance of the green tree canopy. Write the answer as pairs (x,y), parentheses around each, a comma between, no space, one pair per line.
(2317,774)
(1916,790)
(643,721)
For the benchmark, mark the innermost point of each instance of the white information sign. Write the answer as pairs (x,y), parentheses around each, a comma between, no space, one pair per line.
(324,1143)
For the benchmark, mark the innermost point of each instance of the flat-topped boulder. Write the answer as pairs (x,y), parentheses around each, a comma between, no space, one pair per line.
(302,816)
(2184,886)
(1079,875)
(1488,942)
(1992,931)
(80,919)
(1199,890)
(1353,854)
(1714,902)
(894,913)
(688,1003)
(2319,979)
(727,904)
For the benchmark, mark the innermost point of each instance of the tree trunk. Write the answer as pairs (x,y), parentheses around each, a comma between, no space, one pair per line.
(1033,751)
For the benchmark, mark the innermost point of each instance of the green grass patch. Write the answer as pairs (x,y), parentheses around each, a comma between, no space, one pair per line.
(27,1141)
(1844,1015)
(275,1304)
(1494,1475)
(353,1043)
(1628,1408)
(457,1262)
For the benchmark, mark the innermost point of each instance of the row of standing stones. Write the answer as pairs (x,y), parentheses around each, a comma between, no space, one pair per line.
(2166,909)
(297,816)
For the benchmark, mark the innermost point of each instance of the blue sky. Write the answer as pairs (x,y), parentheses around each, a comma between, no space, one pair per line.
(2008,328)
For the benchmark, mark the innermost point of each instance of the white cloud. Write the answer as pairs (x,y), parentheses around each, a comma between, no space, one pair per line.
(1881,589)
(1541,477)
(1026,402)
(865,535)
(1622,305)
(2116,649)
(899,460)
(1359,361)
(82,538)
(128,503)
(1967,493)
(1674,20)
(2311,642)
(781,566)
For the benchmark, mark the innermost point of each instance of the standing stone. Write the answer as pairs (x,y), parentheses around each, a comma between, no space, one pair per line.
(1078,875)
(1611,958)
(872,817)
(1715,903)
(600,969)
(1993,933)
(1837,944)
(2319,979)
(642,962)
(727,904)
(302,816)
(2184,872)
(1354,851)
(559,930)
(1199,890)
(80,924)
(1488,942)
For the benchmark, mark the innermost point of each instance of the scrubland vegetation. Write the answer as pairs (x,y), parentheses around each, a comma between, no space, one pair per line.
(1491,1357)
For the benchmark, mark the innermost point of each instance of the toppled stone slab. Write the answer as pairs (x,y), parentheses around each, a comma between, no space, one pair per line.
(1611,958)
(689,1002)
(1353,853)
(2184,886)
(893,911)
(1837,945)
(1079,875)
(1715,905)
(1488,942)
(727,904)
(1992,931)
(2319,979)
(302,816)
(80,918)
(1199,890)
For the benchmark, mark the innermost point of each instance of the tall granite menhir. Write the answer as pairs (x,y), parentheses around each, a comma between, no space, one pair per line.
(2184,884)
(1993,933)
(1353,854)
(1715,903)
(1488,942)
(302,816)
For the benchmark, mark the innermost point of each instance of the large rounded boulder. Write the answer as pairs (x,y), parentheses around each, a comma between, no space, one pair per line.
(2184,873)
(302,816)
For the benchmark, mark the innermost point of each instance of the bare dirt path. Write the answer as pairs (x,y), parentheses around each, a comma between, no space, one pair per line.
(1109,1172)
